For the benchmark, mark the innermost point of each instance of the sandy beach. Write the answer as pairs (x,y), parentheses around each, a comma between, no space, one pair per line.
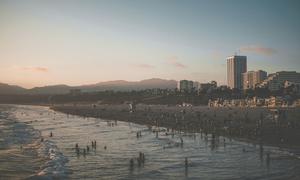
(278,127)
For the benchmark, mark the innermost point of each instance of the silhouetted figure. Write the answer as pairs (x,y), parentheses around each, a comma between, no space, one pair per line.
(94,144)
(186,163)
(51,134)
(42,139)
(181,141)
(131,163)
(261,151)
(143,158)
(140,155)
(84,152)
(105,147)
(268,159)
(139,161)
(87,148)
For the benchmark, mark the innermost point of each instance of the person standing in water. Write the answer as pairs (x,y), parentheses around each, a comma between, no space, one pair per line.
(84,152)
(268,159)
(181,141)
(131,163)
(186,163)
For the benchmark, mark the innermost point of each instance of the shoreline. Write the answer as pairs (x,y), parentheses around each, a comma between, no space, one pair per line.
(19,145)
(255,125)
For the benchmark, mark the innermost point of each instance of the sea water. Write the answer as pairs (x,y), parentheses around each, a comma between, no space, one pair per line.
(28,152)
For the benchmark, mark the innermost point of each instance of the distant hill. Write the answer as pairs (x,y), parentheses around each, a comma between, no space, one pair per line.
(118,85)
(55,89)
(122,85)
(11,89)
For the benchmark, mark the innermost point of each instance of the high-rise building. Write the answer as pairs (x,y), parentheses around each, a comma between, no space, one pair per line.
(252,78)
(236,65)
(186,86)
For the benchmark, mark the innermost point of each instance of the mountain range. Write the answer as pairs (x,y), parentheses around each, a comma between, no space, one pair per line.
(118,85)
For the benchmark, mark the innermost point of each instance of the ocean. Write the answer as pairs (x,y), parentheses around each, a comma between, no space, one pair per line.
(27,151)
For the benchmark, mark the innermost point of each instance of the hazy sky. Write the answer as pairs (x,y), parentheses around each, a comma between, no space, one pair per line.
(82,42)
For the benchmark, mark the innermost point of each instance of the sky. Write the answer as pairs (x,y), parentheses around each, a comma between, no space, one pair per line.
(89,41)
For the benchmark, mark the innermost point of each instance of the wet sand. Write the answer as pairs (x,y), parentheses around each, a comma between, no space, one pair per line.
(259,125)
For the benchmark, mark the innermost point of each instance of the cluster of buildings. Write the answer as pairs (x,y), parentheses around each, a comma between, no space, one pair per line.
(193,86)
(282,79)
(238,77)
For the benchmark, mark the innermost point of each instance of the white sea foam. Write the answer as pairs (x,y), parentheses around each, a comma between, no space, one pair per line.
(54,167)
(219,162)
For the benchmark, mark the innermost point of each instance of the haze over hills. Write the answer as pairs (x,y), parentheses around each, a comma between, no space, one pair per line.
(11,89)
(118,85)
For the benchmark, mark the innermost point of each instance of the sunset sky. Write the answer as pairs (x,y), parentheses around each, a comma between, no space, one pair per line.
(83,42)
